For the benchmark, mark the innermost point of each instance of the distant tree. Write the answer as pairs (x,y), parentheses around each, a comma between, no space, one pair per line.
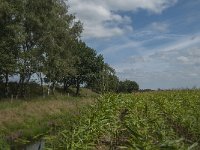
(109,79)
(106,80)
(95,82)
(128,86)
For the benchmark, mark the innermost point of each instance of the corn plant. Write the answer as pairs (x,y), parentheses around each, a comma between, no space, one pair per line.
(141,121)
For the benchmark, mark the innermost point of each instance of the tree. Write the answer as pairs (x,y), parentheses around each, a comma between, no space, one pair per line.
(86,65)
(41,37)
(128,86)
(10,27)
(95,82)
(106,79)
(58,43)
(109,79)
(36,37)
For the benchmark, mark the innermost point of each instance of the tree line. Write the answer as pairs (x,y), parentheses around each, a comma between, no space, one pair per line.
(42,38)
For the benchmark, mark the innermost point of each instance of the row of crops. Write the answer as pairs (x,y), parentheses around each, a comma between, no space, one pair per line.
(141,121)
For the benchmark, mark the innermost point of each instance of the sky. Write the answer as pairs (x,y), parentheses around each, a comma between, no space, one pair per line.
(153,42)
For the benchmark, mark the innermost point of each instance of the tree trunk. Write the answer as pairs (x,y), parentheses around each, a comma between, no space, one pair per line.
(23,88)
(43,93)
(77,87)
(53,88)
(26,86)
(6,85)
(20,88)
(42,84)
(65,86)
(48,91)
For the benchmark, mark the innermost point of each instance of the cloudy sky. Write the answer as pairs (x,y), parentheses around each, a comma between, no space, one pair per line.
(154,42)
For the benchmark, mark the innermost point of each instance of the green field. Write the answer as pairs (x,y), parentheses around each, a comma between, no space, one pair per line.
(166,120)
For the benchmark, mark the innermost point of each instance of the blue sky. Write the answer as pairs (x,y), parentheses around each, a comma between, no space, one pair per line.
(153,42)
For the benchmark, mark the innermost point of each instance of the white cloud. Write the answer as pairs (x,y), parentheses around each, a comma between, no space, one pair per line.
(183,59)
(156,56)
(101,18)
(176,64)
(118,48)
(183,43)
(159,27)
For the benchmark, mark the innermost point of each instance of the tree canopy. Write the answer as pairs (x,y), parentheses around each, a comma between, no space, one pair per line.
(42,38)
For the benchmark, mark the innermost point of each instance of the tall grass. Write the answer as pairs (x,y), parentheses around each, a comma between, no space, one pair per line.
(21,121)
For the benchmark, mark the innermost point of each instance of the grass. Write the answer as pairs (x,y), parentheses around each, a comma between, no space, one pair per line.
(24,121)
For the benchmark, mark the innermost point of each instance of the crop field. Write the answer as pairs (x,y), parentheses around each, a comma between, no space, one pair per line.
(168,120)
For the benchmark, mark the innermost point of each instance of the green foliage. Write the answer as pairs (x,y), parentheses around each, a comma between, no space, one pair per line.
(43,38)
(87,65)
(3,144)
(105,81)
(154,120)
(109,79)
(128,86)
